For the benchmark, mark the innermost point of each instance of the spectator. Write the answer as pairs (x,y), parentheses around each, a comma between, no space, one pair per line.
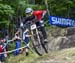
(2,49)
(17,40)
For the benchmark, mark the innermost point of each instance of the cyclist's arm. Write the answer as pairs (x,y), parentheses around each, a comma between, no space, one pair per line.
(34,19)
(43,13)
(19,38)
(13,38)
(30,18)
(16,38)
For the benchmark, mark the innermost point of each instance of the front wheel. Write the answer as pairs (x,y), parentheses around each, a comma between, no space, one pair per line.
(37,42)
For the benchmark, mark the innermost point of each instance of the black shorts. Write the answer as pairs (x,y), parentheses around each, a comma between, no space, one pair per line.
(2,57)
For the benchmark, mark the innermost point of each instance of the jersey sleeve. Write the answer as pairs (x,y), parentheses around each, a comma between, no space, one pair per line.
(37,12)
(29,18)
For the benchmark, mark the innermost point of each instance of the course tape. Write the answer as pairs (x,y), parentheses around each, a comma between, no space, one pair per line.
(7,52)
(12,50)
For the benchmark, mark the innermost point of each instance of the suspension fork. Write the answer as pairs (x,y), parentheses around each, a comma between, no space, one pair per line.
(37,33)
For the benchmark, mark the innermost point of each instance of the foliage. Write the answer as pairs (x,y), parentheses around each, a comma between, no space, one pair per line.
(5,12)
(12,8)
(63,8)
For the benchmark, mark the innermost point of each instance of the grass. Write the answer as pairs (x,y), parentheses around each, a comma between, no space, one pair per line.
(62,56)
(22,58)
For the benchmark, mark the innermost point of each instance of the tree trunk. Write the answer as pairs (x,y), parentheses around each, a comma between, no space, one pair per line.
(32,1)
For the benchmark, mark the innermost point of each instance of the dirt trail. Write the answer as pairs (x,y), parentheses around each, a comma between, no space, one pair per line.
(63,56)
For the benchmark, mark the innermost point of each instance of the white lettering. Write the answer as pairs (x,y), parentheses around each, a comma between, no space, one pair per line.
(54,20)
(63,21)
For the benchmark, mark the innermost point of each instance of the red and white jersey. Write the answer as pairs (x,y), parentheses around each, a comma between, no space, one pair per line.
(39,14)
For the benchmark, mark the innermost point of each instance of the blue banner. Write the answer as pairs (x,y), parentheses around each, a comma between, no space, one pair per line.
(61,21)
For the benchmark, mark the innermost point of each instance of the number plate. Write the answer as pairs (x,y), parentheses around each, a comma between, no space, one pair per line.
(33,26)
(21,24)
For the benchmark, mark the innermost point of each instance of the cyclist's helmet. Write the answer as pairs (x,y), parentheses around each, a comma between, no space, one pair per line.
(28,10)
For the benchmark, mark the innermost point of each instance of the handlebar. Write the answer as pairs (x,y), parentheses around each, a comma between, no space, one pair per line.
(28,24)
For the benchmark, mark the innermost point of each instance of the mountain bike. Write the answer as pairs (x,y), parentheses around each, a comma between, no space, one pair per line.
(37,38)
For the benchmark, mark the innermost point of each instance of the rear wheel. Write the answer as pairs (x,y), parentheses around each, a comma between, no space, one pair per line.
(44,44)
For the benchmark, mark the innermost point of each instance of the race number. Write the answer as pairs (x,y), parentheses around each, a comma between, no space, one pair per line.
(33,26)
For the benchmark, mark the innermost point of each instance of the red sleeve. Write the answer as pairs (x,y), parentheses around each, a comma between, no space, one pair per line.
(37,12)
(44,10)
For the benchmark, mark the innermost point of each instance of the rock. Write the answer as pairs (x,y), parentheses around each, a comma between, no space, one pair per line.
(70,31)
(60,38)
(55,43)
(62,42)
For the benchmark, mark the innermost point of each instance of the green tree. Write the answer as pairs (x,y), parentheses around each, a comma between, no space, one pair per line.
(5,12)
(63,8)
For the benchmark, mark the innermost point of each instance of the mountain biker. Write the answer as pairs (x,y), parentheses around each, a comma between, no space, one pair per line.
(38,17)
(3,34)
(2,56)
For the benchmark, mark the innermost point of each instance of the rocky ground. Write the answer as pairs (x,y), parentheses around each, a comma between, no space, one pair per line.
(60,38)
